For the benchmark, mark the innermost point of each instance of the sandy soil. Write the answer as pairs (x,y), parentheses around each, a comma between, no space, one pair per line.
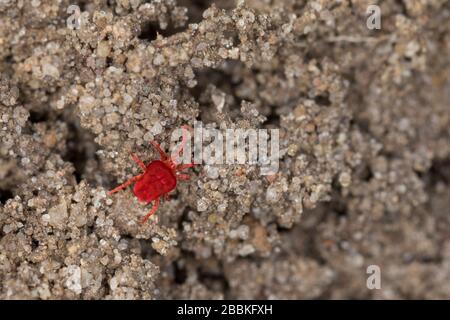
(364,123)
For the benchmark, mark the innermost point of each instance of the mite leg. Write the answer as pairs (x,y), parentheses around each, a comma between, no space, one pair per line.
(183,176)
(162,154)
(138,162)
(182,167)
(125,184)
(152,210)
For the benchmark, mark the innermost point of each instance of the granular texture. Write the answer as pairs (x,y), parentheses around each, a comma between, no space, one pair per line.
(364,124)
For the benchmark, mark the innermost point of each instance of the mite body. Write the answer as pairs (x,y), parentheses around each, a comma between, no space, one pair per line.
(157,180)
(159,177)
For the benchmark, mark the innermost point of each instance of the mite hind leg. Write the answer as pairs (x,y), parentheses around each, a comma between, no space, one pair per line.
(152,211)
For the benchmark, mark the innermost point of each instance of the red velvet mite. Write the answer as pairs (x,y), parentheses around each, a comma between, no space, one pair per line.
(159,177)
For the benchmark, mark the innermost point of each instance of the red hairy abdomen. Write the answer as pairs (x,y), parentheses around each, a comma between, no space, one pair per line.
(158,179)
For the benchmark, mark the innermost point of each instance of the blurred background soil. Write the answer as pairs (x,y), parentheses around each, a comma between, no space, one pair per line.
(364,120)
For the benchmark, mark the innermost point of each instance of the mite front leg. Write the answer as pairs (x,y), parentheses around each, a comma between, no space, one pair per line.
(125,184)
(152,211)
(162,155)
(138,162)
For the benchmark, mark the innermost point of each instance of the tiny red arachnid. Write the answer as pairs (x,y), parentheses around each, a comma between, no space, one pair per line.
(159,177)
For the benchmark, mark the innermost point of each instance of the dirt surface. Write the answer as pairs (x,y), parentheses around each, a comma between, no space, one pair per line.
(364,168)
